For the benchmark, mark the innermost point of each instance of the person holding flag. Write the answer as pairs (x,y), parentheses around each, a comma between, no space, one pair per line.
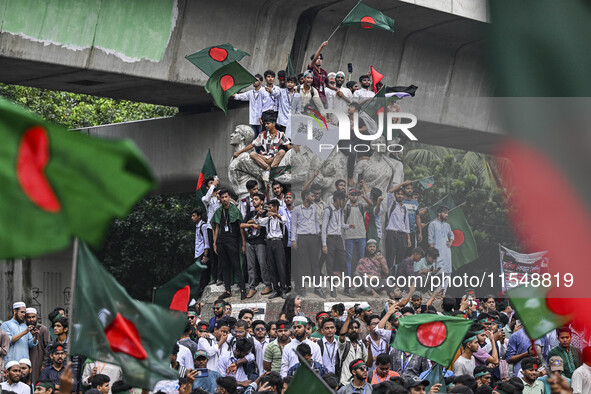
(212,203)
(319,75)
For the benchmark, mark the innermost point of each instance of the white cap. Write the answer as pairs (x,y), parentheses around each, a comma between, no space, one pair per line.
(11,364)
(19,304)
(299,319)
(31,310)
(364,305)
(25,361)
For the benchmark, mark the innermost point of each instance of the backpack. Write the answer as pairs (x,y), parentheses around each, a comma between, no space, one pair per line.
(348,211)
(338,364)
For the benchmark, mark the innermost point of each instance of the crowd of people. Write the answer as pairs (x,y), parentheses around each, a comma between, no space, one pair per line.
(351,351)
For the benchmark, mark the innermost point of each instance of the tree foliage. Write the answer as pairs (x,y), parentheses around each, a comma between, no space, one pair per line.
(470,178)
(80,110)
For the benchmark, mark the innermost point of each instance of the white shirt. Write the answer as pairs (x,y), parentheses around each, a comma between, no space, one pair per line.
(243,203)
(287,213)
(329,357)
(111,370)
(228,359)
(201,242)
(211,204)
(18,387)
(184,357)
(212,349)
(269,101)
(288,103)
(259,349)
(255,104)
(290,358)
(273,225)
(364,93)
(581,380)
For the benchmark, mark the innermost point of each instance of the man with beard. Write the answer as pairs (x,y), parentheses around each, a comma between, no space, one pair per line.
(350,347)
(531,384)
(205,381)
(372,265)
(261,342)
(37,353)
(273,352)
(25,364)
(228,241)
(13,376)
(358,370)
(279,191)
(212,343)
(441,238)
(256,253)
(289,357)
(22,336)
(57,354)
(218,313)
(364,93)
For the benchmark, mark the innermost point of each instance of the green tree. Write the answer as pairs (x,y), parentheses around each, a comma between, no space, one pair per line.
(80,110)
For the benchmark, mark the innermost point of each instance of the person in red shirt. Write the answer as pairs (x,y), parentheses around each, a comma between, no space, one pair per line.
(320,76)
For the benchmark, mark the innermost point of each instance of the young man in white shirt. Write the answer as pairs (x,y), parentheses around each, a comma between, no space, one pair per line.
(255,104)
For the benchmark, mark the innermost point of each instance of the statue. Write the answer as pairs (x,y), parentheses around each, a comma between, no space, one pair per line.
(242,168)
(379,170)
(333,168)
(303,164)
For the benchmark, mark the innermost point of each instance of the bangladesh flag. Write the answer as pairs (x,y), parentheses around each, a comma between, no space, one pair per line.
(226,81)
(426,183)
(538,313)
(57,184)
(376,77)
(447,201)
(436,376)
(278,171)
(306,380)
(463,248)
(207,171)
(368,18)
(210,59)
(434,337)
(110,326)
(173,293)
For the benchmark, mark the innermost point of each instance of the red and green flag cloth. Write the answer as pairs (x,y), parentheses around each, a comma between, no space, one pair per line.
(176,293)
(207,171)
(368,18)
(549,164)
(210,59)
(110,326)
(306,380)
(376,77)
(463,248)
(426,183)
(538,313)
(434,337)
(57,184)
(226,81)
(447,201)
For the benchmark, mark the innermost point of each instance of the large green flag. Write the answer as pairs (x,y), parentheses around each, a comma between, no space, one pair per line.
(447,201)
(306,380)
(368,18)
(108,325)
(426,183)
(189,277)
(531,304)
(226,81)
(58,183)
(207,170)
(210,59)
(435,376)
(434,337)
(463,248)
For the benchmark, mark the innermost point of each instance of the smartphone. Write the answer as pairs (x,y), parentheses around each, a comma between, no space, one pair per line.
(350,67)
(202,372)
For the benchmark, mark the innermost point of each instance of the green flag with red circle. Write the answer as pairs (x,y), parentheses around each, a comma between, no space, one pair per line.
(226,81)
(434,337)
(368,18)
(463,247)
(57,184)
(210,59)
(208,170)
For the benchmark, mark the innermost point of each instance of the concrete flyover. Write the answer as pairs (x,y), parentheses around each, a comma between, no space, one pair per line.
(135,49)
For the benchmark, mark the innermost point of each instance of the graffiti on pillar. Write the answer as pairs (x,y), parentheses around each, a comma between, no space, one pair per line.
(67,297)
(35,293)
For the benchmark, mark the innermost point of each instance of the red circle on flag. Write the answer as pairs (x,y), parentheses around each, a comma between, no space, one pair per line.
(432,334)
(458,238)
(227,81)
(367,22)
(32,158)
(218,54)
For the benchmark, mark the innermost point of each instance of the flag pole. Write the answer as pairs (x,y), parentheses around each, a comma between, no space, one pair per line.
(73,297)
(457,206)
(346,16)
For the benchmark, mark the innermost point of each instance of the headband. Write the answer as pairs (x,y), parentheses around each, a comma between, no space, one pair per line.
(332,74)
(321,314)
(469,339)
(300,319)
(372,242)
(308,73)
(481,373)
(340,73)
(282,327)
(478,332)
(192,313)
(203,327)
(47,385)
(219,305)
(358,364)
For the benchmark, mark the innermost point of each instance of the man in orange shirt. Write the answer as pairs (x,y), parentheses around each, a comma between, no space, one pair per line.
(382,372)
